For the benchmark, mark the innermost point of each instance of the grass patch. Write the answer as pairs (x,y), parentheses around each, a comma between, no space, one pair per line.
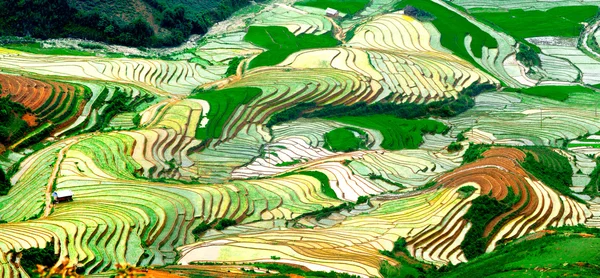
(324,180)
(407,267)
(349,7)
(558,93)
(289,163)
(291,271)
(555,255)
(37,48)
(453,35)
(345,140)
(558,22)
(280,43)
(222,104)
(397,133)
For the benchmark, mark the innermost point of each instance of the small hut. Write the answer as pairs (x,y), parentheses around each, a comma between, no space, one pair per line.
(62,196)
(332,12)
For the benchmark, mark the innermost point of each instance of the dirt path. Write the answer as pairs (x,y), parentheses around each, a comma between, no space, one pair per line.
(338,32)
(56,169)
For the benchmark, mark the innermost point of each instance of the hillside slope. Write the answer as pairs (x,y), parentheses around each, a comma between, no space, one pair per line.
(153,23)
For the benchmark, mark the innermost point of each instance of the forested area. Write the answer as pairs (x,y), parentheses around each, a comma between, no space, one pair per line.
(11,125)
(46,19)
(4,183)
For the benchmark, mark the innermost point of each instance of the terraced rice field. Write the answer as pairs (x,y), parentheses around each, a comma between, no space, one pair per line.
(205,157)
(431,222)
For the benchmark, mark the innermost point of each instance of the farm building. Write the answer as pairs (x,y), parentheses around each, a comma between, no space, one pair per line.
(332,12)
(62,196)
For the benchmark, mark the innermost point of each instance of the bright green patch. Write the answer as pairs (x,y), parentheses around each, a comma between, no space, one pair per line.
(559,93)
(324,180)
(397,133)
(453,35)
(222,104)
(344,6)
(344,140)
(37,48)
(558,22)
(280,43)
(289,163)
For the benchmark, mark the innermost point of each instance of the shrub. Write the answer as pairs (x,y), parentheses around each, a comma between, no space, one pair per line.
(233,66)
(362,200)
(137,119)
(400,246)
(474,153)
(201,229)
(421,15)
(382,178)
(454,147)
(224,223)
(427,185)
(466,191)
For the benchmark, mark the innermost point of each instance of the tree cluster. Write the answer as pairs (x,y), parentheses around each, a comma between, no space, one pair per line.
(483,209)
(419,14)
(46,19)
(527,56)
(38,256)
(12,126)
(444,108)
